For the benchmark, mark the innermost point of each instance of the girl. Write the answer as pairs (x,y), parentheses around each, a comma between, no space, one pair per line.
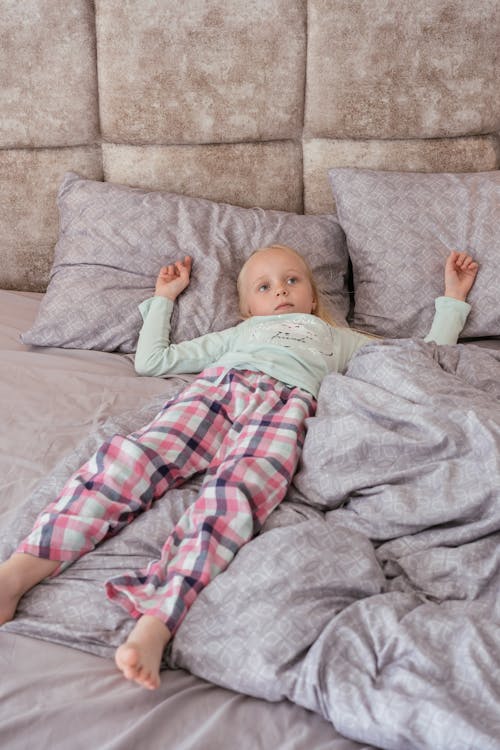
(241,423)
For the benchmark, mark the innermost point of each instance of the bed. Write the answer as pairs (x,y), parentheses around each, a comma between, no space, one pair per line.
(365,614)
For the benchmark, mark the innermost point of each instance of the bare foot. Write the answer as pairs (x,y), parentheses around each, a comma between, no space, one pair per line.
(139,658)
(18,574)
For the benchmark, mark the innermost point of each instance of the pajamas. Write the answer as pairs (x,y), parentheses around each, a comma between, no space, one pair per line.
(243,429)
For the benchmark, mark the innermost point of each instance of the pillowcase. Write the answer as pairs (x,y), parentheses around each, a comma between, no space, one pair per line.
(114,239)
(400,228)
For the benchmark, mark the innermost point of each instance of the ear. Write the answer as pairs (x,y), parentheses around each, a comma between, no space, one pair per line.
(245,312)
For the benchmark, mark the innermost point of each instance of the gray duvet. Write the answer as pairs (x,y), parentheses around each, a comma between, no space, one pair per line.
(371,597)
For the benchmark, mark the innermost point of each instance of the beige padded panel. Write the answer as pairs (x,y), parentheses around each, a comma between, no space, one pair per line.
(29,221)
(474,154)
(47,73)
(206,97)
(198,72)
(388,69)
(244,174)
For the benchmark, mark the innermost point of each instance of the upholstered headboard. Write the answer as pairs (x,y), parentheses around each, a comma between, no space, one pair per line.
(243,101)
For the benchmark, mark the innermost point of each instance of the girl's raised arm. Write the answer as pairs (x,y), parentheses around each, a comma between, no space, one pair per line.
(173,279)
(460,273)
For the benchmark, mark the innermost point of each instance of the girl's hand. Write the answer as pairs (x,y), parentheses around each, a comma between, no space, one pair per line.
(173,279)
(459,275)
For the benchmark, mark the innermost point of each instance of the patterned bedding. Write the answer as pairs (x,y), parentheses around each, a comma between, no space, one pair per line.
(370,597)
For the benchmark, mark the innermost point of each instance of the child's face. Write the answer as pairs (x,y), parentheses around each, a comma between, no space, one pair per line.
(276,282)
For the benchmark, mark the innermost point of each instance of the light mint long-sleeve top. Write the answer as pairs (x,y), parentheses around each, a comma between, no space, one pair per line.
(298,349)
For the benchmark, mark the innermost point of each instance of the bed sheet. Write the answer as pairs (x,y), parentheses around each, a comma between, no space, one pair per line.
(57,696)
(80,390)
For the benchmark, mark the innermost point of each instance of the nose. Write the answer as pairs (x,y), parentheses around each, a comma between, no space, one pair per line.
(281,290)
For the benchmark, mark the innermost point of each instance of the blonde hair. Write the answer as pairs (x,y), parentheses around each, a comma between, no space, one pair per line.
(321,310)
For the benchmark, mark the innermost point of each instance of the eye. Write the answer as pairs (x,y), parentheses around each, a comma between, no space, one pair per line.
(263,287)
(292,280)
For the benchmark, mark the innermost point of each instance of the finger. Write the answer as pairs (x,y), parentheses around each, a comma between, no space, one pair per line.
(450,260)
(461,259)
(184,265)
(179,268)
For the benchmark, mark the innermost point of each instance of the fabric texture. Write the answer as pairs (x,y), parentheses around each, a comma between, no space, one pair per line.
(400,227)
(114,239)
(449,320)
(244,431)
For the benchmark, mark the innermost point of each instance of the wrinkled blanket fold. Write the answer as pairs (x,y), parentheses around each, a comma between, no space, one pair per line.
(371,595)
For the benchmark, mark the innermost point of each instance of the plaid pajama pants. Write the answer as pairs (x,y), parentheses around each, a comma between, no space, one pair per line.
(243,429)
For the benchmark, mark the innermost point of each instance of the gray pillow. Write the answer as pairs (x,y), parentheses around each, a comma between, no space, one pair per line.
(400,228)
(114,239)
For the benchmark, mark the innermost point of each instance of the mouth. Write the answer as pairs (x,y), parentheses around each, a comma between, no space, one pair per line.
(283,306)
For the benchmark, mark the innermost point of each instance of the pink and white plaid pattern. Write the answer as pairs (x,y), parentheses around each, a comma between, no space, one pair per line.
(244,430)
